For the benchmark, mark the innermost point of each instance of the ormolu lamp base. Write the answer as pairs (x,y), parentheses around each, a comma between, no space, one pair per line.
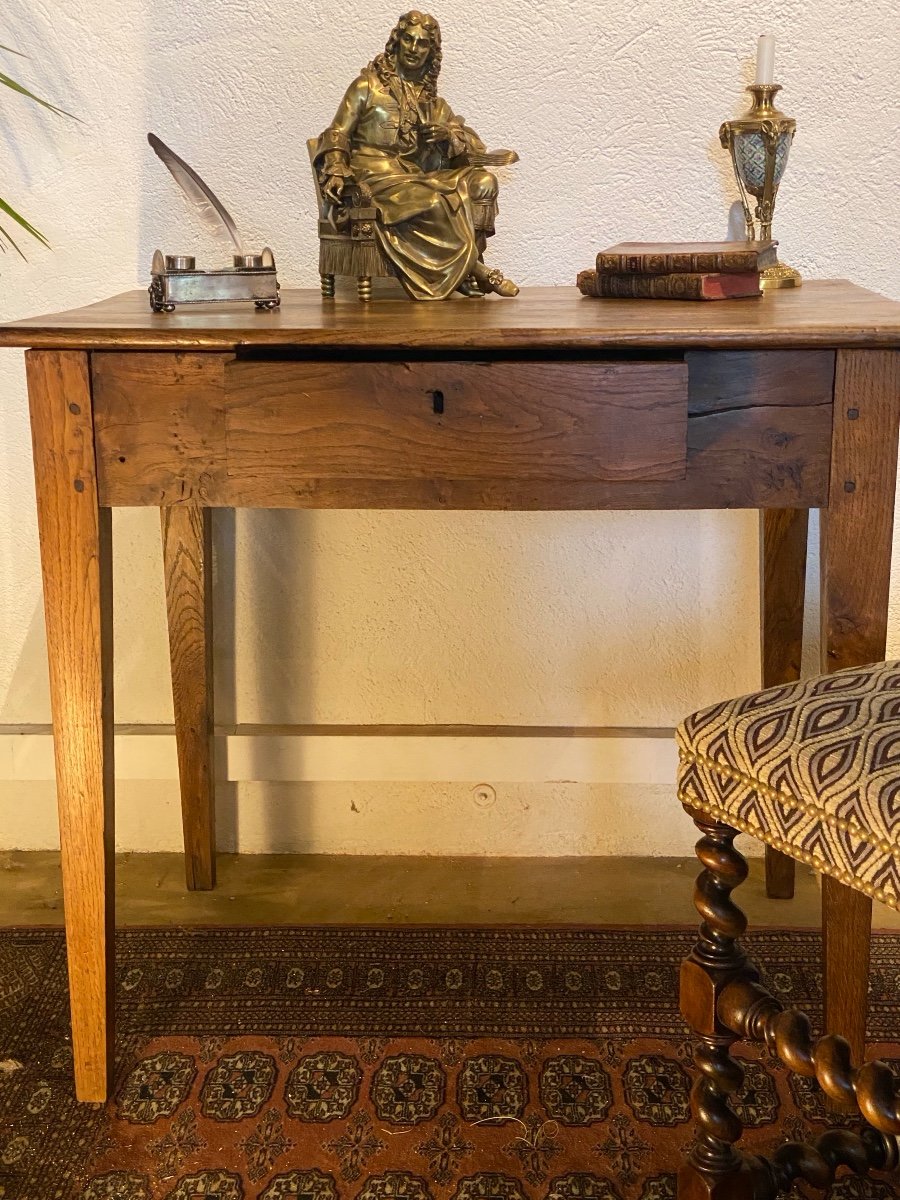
(779,276)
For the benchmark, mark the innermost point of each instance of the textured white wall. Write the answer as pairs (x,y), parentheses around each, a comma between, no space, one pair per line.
(605,619)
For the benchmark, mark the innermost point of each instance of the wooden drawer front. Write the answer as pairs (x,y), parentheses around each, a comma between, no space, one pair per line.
(311,422)
(178,428)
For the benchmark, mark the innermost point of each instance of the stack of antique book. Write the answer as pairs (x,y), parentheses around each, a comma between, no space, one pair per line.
(679,270)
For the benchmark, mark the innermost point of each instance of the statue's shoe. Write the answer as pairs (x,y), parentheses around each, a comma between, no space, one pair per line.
(501,286)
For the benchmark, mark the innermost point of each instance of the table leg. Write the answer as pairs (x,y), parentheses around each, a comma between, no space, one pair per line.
(187,554)
(783,580)
(846,933)
(857,529)
(75,539)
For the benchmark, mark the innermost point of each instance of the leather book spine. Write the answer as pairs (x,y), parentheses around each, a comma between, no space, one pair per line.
(677,286)
(587,283)
(731,262)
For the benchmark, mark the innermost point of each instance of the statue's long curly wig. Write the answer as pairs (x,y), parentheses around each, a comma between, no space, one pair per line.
(386,64)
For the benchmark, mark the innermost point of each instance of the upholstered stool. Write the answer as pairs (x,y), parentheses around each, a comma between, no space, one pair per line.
(812,768)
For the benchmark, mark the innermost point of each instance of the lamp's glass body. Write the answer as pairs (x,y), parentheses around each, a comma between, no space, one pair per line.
(750,150)
(759,143)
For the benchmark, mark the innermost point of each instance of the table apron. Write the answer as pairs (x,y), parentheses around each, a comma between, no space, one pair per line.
(692,429)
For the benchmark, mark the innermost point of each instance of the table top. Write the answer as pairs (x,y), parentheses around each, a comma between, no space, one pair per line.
(831,313)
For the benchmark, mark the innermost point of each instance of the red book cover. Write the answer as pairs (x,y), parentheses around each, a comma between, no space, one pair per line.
(677,286)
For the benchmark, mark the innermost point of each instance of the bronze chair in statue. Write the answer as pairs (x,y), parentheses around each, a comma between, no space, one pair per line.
(347,242)
(348,245)
(813,769)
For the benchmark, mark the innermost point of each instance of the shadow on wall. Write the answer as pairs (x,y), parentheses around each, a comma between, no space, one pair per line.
(28,700)
(44,74)
(720,158)
(267,568)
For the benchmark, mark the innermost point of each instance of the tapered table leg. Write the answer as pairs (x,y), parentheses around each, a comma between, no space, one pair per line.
(857,530)
(75,539)
(187,553)
(847,928)
(783,583)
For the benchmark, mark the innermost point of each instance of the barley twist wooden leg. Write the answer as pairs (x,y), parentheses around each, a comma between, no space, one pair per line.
(724,1002)
(817,1163)
(715,1169)
(754,1014)
(364,287)
(327,287)
(722,922)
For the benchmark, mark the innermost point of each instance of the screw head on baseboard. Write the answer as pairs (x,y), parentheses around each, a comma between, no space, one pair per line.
(484,795)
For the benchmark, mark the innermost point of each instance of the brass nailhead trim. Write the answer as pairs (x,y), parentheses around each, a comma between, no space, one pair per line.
(810,860)
(789,801)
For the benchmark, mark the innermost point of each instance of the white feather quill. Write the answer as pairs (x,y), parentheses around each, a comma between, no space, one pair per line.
(203,200)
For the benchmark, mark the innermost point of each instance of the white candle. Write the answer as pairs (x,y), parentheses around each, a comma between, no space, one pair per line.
(765,59)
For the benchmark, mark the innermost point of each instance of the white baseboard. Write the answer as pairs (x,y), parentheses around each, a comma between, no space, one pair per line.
(296,792)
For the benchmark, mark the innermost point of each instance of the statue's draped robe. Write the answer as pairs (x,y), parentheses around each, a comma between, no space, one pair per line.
(424,202)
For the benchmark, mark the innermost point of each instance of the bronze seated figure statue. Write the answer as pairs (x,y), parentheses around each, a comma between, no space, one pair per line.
(403,183)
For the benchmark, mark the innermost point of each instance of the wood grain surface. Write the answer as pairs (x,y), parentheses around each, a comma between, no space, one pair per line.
(857,527)
(827,313)
(846,938)
(305,422)
(187,557)
(857,531)
(169,431)
(75,537)
(747,379)
(783,537)
(159,423)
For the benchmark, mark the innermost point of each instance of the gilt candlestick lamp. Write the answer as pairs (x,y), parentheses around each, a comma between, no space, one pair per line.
(759,143)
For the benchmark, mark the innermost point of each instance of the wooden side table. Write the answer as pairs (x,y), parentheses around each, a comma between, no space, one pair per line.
(550,401)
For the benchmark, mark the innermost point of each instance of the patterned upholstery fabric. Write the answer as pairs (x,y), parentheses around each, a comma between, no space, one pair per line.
(812,768)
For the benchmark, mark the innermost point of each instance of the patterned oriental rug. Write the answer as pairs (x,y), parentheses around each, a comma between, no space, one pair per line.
(388,1064)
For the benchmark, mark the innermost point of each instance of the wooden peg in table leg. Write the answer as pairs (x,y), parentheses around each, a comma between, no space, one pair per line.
(75,540)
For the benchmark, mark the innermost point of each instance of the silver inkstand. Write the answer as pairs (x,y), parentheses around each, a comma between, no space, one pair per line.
(175,279)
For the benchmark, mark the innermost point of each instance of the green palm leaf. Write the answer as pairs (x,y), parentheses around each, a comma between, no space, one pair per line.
(6,238)
(17,87)
(26,225)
